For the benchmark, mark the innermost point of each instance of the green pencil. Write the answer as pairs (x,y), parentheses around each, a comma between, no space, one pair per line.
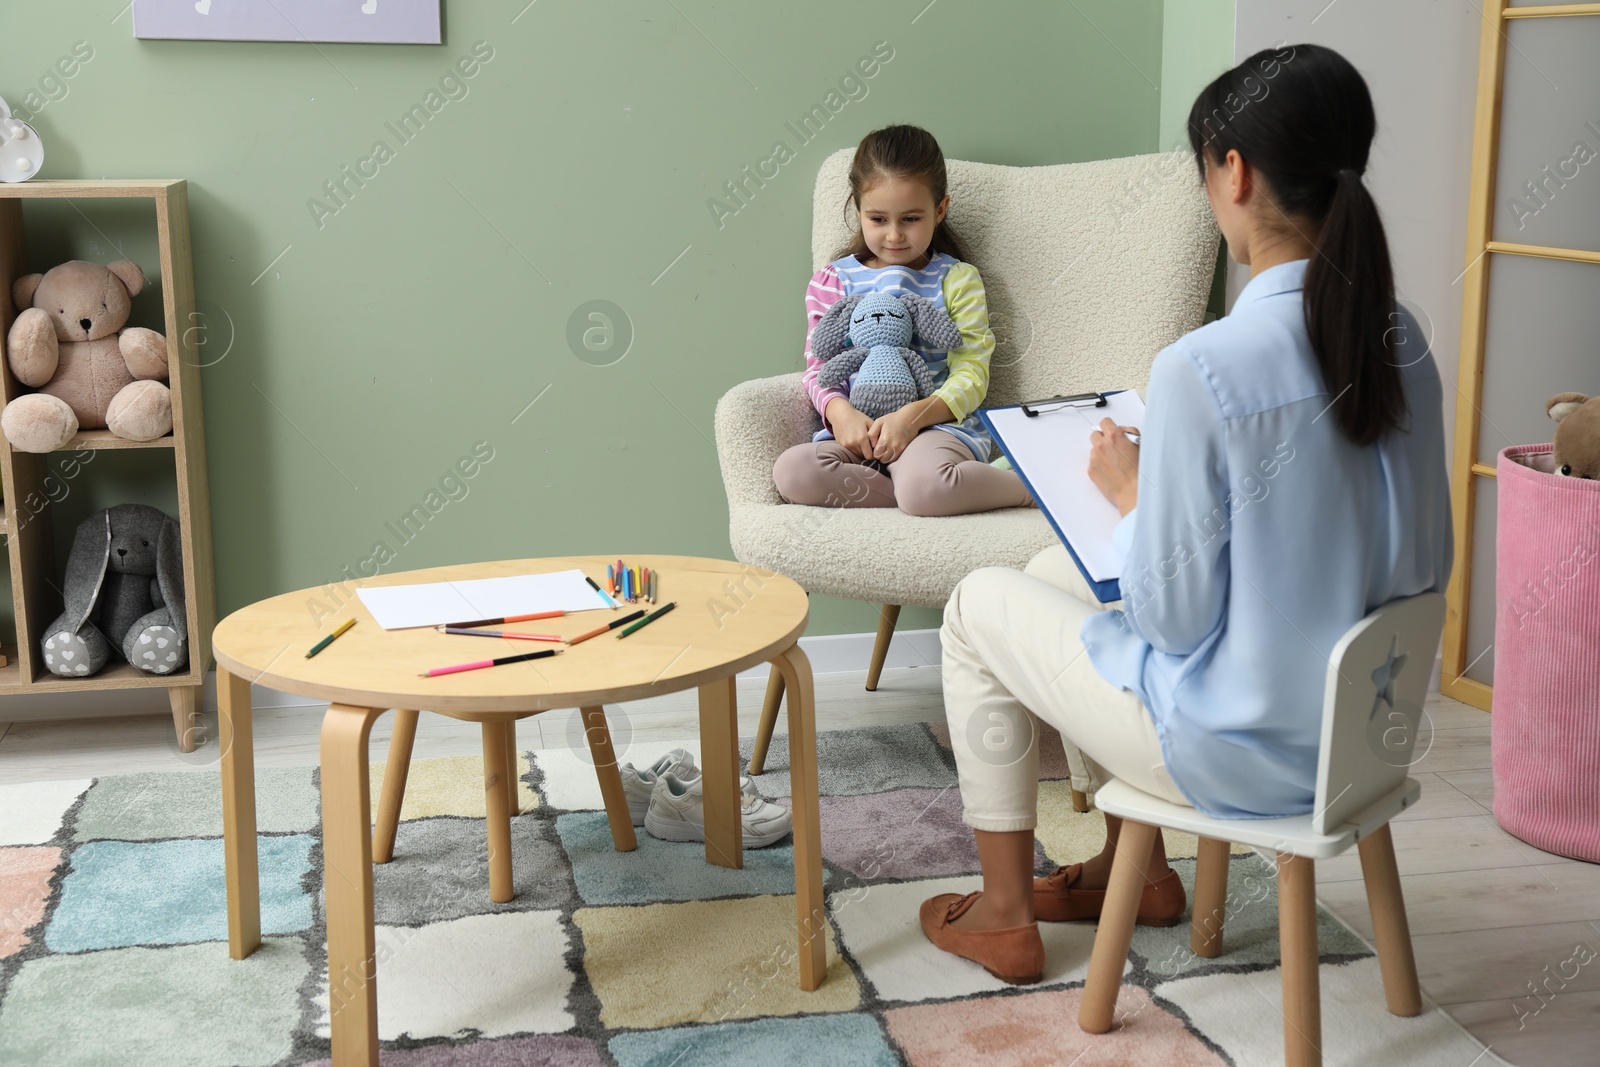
(326,641)
(652,617)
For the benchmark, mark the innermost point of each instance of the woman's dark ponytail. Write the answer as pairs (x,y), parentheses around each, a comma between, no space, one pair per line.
(1349,308)
(1302,117)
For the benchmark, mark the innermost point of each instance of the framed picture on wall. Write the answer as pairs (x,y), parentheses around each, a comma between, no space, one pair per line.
(343,21)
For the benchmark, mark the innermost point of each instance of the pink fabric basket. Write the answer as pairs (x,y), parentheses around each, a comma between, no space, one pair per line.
(1545,730)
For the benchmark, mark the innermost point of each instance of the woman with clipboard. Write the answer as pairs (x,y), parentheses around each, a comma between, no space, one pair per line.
(1290,478)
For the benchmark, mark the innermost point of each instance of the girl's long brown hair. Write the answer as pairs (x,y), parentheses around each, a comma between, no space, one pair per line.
(911,154)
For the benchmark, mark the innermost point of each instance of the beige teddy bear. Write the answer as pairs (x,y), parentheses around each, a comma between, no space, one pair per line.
(1577,444)
(71,342)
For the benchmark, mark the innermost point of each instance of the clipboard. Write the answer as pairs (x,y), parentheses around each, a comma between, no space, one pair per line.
(1036,439)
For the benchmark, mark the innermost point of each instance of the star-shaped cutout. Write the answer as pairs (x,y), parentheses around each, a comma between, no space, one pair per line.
(1387,674)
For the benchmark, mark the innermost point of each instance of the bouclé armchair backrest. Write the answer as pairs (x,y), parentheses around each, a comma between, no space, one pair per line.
(1090,268)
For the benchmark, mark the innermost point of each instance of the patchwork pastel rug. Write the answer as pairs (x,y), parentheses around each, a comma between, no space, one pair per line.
(112,935)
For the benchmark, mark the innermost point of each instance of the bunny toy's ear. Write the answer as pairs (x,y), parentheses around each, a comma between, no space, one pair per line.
(833,329)
(169,576)
(933,325)
(86,567)
(1563,404)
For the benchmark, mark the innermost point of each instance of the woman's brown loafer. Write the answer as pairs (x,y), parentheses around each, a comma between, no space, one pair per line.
(1014,955)
(1056,899)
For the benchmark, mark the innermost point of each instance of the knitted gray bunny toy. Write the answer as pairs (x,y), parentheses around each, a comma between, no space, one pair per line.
(124,581)
(888,373)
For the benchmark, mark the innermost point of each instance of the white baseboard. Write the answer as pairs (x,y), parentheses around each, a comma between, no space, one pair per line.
(829,654)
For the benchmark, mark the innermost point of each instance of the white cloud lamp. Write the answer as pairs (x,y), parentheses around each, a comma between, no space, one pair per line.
(21,151)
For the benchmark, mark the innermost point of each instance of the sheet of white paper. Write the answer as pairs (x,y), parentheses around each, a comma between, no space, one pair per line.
(398,607)
(1052,452)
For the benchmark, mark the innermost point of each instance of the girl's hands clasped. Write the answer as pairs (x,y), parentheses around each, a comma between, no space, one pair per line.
(850,427)
(1114,464)
(891,433)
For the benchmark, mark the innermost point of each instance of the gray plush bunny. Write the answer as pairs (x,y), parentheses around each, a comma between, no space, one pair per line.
(124,581)
(888,372)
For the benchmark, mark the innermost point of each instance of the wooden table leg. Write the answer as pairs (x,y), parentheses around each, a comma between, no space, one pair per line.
(395,770)
(810,904)
(347,884)
(239,814)
(605,768)
(719,773)
(513,799)
(497,813)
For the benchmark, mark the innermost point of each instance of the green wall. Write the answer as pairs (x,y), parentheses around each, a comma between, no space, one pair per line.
(1196,46)
(356,355)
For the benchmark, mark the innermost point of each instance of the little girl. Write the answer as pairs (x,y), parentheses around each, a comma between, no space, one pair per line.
(935,450)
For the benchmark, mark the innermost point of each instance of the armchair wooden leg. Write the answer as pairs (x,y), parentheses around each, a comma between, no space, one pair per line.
(395,770)
(888,615)
(1210,897)
(1390,929)
(513,800)
(769,721)
(496,812)
(1098,1008)
(1297,948)
(605,768)
(1080,801)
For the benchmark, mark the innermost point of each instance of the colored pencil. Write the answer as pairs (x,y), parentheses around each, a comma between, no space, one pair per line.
(326,641)
(499,633)
(612,625)
(596,587)
(652,617)
(480,664)
(508,618)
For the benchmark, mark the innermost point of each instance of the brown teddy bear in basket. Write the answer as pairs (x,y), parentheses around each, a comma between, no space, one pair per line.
(72,343)
(1577,446)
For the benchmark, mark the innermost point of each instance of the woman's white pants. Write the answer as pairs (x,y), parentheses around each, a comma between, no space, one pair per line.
(1012,656)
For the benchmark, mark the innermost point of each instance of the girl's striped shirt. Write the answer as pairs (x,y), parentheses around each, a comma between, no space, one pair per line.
(961,376)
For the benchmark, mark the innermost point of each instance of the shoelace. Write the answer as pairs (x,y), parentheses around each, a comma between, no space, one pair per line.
(749,805)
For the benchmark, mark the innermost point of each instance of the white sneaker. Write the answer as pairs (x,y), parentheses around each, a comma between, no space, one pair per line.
(677,813)
(637,785)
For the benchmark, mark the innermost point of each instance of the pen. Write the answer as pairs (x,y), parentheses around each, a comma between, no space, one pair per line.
(508,618)
(499,633)
(541,654)
(652,617)
(612,625)
(326,641)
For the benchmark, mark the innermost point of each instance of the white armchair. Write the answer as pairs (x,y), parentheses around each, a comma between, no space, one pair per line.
(1090,270)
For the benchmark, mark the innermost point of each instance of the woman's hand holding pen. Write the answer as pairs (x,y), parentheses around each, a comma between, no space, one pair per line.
(850,427)
(1114,464)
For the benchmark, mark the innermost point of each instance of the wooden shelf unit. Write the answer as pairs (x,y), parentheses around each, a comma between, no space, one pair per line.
(30,552)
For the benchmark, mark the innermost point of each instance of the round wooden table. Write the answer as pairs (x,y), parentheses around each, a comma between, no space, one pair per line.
(729,617)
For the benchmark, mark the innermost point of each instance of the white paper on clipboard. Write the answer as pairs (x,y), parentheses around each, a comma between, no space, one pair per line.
(1051,450)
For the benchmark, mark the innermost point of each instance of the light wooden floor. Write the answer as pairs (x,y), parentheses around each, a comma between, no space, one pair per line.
(1492,918)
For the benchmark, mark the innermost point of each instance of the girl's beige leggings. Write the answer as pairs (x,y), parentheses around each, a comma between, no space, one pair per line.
(936,475)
